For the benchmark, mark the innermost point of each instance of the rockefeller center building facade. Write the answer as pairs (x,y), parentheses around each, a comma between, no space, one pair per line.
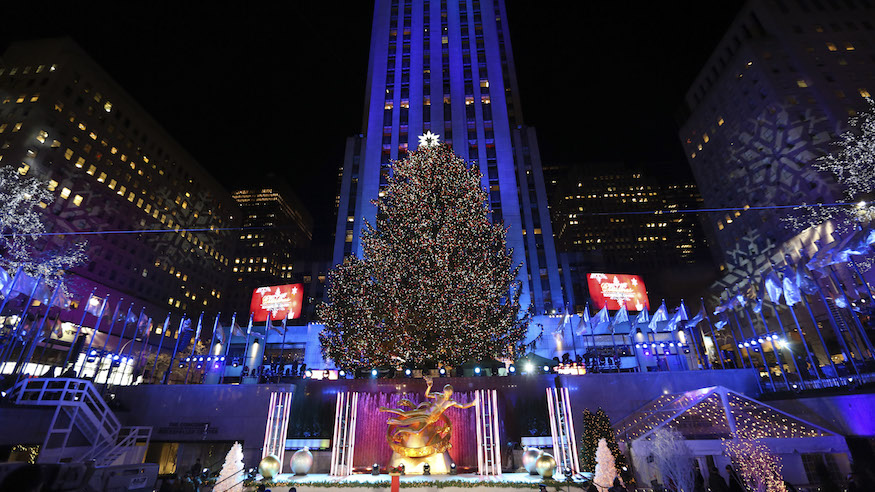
(112,167)
(778,88)
(447,67)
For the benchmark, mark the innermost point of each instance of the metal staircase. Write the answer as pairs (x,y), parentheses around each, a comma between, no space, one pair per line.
(83,428)
(562,431)
(488,448)
(343,444)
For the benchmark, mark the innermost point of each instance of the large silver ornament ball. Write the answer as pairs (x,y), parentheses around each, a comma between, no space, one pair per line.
(301,461)
(269,467)
(530,456)
(546,465)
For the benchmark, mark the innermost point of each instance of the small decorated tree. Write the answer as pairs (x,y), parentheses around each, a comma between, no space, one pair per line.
(232,474)
(598,426)
(605,468)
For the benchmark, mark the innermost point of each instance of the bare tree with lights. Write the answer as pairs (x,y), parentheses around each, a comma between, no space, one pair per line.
(756,464)
(852,163)
(22,243)
(672,457)
(436,280)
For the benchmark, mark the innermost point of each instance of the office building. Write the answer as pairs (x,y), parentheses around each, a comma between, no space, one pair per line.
(112,167)
(277,228)
(778,88)
(447,67)
(603,214)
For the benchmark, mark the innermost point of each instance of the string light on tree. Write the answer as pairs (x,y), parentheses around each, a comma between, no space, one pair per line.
(436,280)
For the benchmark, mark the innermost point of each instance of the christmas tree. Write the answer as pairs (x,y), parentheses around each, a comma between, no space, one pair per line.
(605,468)
(232,474)
(436,280)
(596,427)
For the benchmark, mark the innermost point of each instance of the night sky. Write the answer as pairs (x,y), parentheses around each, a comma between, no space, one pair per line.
(280,88)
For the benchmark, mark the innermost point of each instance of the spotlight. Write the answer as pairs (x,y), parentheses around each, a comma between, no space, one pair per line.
(647,353)
(426,469)
(308,373)
(373,373)
(746,344)
(375,469)
(216,366)
(661,345)
(187,359)
(740,345)
(477,372)
(638,345)
(93,352)
(453,469)
(443,371)
(234,364)
(115,357)
(671,344)
(181,365)
(530,367)
(407,372)
(546,368)
(341,373)
(760,340)
(511,370)
(653,346)
(222,359)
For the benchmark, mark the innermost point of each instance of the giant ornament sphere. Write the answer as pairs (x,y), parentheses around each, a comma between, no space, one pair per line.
(269,467)
(301,461)
(530,457)
(545,465)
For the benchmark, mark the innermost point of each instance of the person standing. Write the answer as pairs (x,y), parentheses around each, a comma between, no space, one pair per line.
(716,482)
(735,483)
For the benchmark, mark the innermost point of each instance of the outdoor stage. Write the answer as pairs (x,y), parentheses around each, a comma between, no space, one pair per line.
(431,483)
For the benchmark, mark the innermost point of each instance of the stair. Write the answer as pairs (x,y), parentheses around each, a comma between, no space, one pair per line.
(83,428)
(562,431)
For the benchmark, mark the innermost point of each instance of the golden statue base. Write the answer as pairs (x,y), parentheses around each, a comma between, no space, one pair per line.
(439,463)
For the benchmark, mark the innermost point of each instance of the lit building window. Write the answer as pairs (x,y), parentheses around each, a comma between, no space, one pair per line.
(849,47)
(53,185)
(23,169)
(77,200)
(65,193)
(831,46)
(864,93)
(41,136)
(80,162)
(802,83)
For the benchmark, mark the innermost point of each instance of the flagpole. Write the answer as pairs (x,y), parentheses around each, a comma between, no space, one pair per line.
(283,346)
(614,343)
(741,332)
(778,360)
(212,344)
(783,334)
(81,371)
(193,347)
(808,352)
(78,329)
(859,325)
(166,377)
(119,345)
(7,352)
(838,331)
(804,298)
(246,347)
(713,339)
(160,343)
(106,340)
(692,334)
(29,346)
(136,332)
(868,289)
(8,295)
(227,346)
(51,344)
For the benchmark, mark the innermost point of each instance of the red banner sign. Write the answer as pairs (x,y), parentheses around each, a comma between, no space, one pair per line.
(277,301)
(614,290)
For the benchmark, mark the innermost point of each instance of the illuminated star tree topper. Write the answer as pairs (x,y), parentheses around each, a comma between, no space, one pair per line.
(429,139)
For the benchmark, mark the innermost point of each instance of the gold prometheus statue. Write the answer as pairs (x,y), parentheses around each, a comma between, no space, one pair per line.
(424,430)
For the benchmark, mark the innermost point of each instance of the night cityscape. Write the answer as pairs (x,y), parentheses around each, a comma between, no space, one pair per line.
(427,243)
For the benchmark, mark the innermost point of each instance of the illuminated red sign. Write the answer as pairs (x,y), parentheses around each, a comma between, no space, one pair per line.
(277,301)
(614,290)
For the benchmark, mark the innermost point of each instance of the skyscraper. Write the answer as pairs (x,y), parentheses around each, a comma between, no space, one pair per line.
(446,66)
(776,91)
(277,229)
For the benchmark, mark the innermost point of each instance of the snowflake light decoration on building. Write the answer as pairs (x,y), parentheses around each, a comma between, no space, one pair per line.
(429,139)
